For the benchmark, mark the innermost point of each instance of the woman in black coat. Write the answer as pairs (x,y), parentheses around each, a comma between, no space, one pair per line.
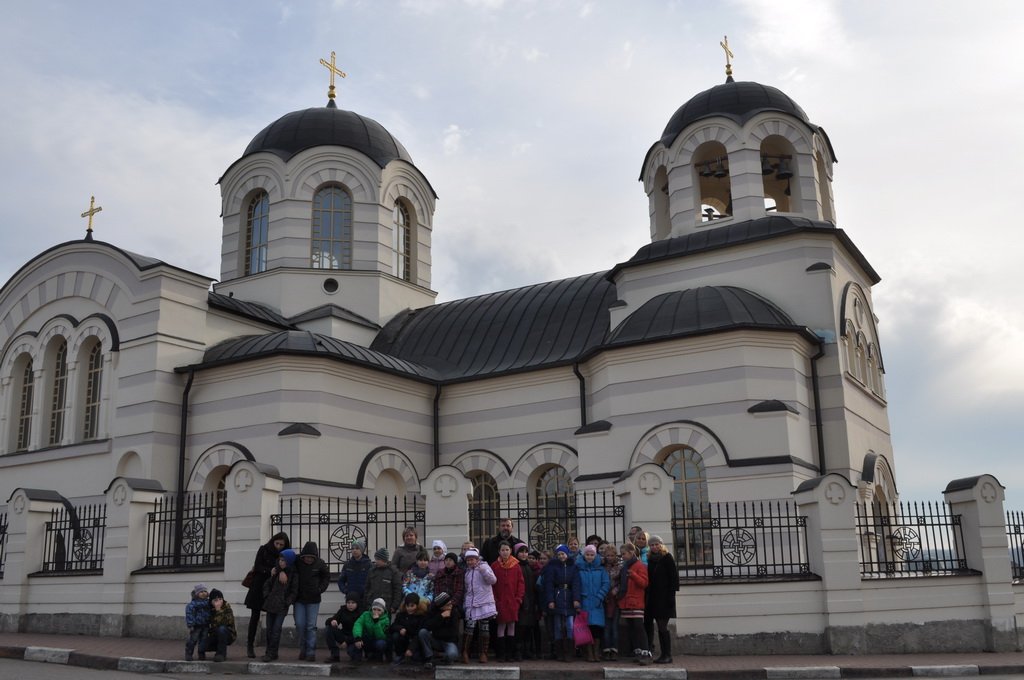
(266,559)
(660,605)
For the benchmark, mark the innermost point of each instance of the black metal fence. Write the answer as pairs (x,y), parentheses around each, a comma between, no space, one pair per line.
(544,525)
(334,523)
(740,541)
(908,540)
(73,539)
(1015,537)
(199,543)
(3,543)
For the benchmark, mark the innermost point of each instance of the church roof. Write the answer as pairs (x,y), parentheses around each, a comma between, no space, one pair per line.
(251,310)
(327,126)
(737,233)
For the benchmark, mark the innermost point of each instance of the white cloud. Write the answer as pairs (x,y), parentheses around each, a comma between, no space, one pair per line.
(586,10)
(452,140)
(421,92)
(534,54)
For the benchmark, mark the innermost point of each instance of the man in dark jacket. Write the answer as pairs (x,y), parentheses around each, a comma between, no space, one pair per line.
(440,631)
(314,577)
(383,581)
(352,580)
(338,628)
(489,552)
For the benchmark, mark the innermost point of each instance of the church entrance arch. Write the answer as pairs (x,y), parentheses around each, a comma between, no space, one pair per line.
(213,465)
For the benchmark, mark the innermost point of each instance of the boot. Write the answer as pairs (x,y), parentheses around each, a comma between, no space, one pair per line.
(467,641)
(592,652)
(665,643)
(250,651)
(643,656)
(517,650)
(499,648)
(566,651)
(485,640)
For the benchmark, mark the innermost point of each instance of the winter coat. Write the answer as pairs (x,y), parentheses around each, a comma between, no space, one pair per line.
(386,583)
(634,595)
(489,551)
(418,581)
(313,578)
(197,613)
(353,576)
(346,619)
(611,600)
(436,564)
(266,559)
(405,557)
(277,596)
(528,609)
(444,628)
(561,586)
(594,585)
(663,583)
(224,617)
(366,628)
(411,622)
(508,589)
(479,598)
(452,582)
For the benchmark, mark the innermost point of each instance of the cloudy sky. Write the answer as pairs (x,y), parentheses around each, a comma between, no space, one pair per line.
(531,120)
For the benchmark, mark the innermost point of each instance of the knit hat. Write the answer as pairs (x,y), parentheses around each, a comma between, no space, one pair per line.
(411,598)
(382,554)
(439,544)
(216,595)
(200,588)
(352,597)
(289,556)
(379,604)
(472,552)
(359,543)
(442,599)
(452,556)
(655,539)
(562,547)
(520,546)
(589,550)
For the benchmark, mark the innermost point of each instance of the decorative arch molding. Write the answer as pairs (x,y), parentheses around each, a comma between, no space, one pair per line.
(485,461)
(727,135)
(57,326)
(768,125)
(657,157)
(76,333)
(877,476)
(401,188)
(357,173)
(853,291)
(18,351)
(99,326)
(541,456)
(264,177)
(224,455)
(386,458)
(103,291)
(685,432)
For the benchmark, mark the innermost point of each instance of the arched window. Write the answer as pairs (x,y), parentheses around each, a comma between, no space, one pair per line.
(332,229)
(59,394)
(26,393)
(555,502)
(860,339)
(484,508)
(711,167)
(403,242)
(93,384)
(778,168)
(257,233)
(693,545)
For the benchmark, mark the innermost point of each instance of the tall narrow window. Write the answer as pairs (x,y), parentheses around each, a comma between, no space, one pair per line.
(25,410)
(93,383)
(555,509)
(257,231)
(332,229)
(693,545)
(484,511)
(59,394)
(403,245)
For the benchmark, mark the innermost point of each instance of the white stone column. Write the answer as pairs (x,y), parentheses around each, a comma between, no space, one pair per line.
(828,503)
(979,502)
(646,493)
(128,503)
(27,513)
(747,184)
(253,492)
(6,422)
(447,492)
(72,406)
(39,394)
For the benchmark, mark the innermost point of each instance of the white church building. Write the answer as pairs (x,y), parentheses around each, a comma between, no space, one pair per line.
(734,358)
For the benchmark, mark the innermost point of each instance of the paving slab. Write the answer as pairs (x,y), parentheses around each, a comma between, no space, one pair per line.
(476,673)
(303,669)
(137,664)
(949,671)
(802,673)
(616,673)
(47,654)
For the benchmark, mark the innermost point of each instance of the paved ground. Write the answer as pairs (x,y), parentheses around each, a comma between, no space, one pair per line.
(166,656)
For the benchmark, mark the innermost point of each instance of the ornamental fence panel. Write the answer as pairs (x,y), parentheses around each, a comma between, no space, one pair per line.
(910,540)
(546,523)
(73,539)
(3,543)
(187,535)
(334,523)
(740,541)
(1015,537)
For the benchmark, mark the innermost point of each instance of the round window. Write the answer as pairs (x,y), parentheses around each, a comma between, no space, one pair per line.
(331,285)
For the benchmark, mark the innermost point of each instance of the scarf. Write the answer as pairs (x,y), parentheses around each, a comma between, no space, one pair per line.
(510,563)
(624,576)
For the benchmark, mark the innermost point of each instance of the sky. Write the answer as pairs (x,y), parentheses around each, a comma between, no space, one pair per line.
(531,120)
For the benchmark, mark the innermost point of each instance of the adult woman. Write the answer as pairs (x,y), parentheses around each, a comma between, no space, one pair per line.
(266,560)
(661,596)
(643,550)
(632,589)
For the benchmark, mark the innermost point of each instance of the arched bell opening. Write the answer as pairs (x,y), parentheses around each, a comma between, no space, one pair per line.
(711,169)
(779,173)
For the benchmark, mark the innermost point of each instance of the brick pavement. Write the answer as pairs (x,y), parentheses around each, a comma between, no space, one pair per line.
(107,652)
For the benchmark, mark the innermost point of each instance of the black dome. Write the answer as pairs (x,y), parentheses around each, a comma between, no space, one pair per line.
(327,126)
(739,101)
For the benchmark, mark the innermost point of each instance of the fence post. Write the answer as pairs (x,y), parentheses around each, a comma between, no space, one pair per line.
(253,491)
(446,493)
(646,493)
(128,502)
(979,502)
(27,514)
(828,504)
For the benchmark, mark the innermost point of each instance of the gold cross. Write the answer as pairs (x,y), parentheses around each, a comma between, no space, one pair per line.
(728,55)
(334,71)
(93,209)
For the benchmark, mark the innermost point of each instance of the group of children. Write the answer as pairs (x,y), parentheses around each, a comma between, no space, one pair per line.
(211,624)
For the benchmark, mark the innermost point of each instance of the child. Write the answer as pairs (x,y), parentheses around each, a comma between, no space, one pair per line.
(313,577)
(528,609)
(405,629)
(479,604)
(339,627)
(222,625)
(279,591)
(440,631)
(197,618)
(439,550)
(371,631)
(594,585)
(632,587)
(611,606)
(508,596)
(562,596)
(383,582)
(418,578)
